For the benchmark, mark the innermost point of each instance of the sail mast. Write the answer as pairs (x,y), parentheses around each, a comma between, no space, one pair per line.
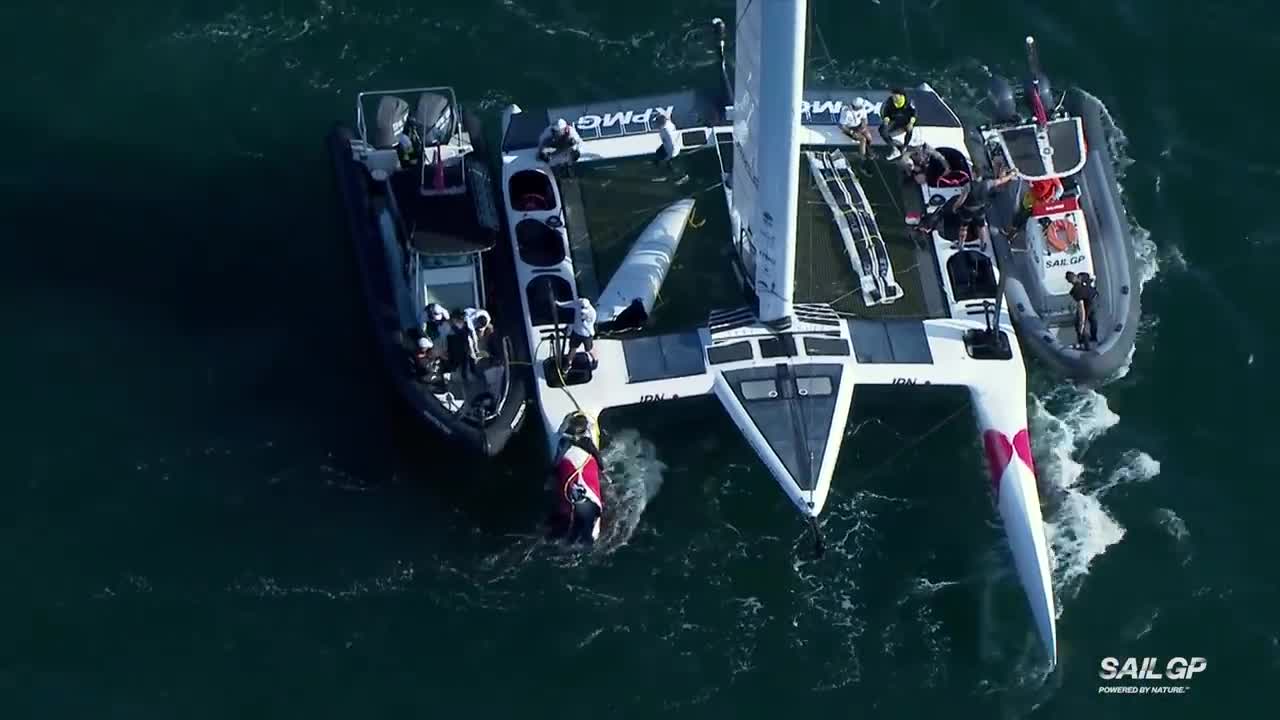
(769,66)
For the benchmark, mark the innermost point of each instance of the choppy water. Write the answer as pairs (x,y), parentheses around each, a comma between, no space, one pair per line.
(209,510)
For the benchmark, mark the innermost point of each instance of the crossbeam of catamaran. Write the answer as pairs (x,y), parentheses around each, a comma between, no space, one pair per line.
(786,362)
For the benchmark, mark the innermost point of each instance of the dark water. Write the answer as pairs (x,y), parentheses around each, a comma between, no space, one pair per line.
(209,511)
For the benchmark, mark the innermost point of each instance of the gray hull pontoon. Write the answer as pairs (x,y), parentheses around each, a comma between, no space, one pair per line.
(1082,229)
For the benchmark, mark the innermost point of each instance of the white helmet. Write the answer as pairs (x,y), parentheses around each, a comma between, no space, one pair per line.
(562,126)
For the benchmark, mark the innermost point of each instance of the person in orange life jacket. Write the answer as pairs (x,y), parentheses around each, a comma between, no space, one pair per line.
(1085,295)
(1038,192)
(559,137)
(582,330)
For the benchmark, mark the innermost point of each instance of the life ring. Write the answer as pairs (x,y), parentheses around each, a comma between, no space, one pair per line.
(1061,235)
(530,202)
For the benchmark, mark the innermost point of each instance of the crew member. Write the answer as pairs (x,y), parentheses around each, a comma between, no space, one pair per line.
(897,117)
(461,343)
(480,324)
(579,505)
(1085,296)
(972,206)
(918,159)
(436,327)
(582,330)
(1039,192)
(666,153)
(853,122)
(559,137)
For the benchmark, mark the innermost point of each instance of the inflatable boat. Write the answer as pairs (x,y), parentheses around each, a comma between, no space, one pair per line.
(418,199)
(1060,231)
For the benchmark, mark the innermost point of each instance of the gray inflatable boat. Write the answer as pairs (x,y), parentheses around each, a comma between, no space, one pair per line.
(1063,215)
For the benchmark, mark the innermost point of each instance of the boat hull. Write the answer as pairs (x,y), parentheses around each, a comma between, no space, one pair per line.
(373,263)
(1115,264)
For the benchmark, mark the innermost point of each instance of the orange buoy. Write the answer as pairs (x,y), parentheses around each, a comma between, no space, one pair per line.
(1061,235)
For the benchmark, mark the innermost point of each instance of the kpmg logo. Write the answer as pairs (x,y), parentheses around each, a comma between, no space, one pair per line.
(1148,669)
(827,112)
(622,120)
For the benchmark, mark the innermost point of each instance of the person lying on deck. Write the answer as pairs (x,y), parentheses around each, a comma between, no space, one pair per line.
(917,161)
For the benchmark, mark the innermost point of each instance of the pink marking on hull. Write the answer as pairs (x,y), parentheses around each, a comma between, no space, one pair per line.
(999,453)
(1022,444)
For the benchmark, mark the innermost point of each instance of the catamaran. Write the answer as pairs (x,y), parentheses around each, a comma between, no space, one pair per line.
(836,290)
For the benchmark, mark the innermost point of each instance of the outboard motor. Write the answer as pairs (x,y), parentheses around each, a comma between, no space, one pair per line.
(435,119)
(1000,97)
(578,473)
(393,114)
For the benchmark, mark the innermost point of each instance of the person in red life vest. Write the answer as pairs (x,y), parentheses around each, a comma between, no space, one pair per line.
(1038,193)
(578,470)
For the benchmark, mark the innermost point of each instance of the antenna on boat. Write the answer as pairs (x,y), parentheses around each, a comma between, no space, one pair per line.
(1033,62)
(721,32)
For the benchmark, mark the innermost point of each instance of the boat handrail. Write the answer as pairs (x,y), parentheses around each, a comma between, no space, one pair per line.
(360,123)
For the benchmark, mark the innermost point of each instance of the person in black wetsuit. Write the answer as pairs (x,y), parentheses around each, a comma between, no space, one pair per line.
(897,115)
(1085,296)
(461,344)
(970,208)
(973,206)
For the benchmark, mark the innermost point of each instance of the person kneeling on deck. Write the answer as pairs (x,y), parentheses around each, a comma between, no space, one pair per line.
(897,117)
(1085,295)
(582,331)
(853,123)
(559,137)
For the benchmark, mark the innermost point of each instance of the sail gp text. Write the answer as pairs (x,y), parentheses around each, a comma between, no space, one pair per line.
(1177,668)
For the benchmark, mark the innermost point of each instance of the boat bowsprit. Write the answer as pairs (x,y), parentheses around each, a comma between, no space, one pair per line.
(1064,215)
